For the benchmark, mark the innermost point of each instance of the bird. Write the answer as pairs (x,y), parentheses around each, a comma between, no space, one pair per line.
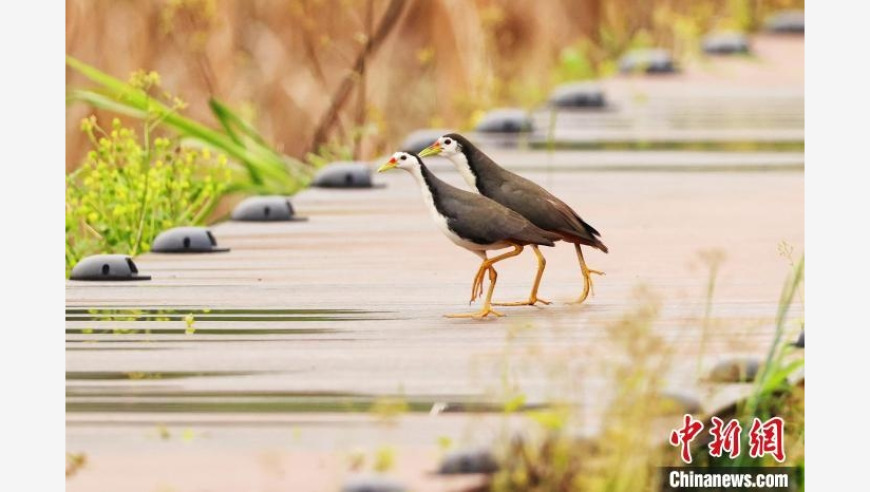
(473,222)
(525,197)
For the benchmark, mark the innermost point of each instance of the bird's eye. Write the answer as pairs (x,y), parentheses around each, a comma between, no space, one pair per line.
(448,142)
(404,157)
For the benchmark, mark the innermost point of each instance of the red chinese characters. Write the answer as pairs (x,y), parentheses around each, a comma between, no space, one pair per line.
(725,438)
(767,438)
(683,436)
(764,438)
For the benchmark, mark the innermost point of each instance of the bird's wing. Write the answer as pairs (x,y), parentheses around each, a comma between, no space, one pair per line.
(484,221)
(536,203)
(545,210)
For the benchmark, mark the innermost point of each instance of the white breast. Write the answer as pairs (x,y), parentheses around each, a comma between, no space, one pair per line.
(441,221)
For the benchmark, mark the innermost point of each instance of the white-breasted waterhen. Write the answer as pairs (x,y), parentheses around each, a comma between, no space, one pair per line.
(473,222)
(519,194)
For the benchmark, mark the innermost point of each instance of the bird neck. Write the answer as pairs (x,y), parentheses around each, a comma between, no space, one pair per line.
(463,165)
(429,185)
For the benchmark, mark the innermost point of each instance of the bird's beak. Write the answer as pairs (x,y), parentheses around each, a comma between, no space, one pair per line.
(431,150)
(389,165)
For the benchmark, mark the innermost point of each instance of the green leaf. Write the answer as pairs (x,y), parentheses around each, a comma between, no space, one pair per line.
(268,170)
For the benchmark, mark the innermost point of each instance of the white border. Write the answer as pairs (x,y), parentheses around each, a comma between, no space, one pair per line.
(837,222)
(32,246)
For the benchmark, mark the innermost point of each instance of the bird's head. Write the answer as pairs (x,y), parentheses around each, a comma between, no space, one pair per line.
(446,145)
(401,160)
(456,148)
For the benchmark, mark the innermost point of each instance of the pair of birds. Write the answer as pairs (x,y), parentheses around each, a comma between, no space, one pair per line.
(508,211)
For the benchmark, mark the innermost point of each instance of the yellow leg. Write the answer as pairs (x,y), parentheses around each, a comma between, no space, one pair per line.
(587,275)
(477,286)
(487,265)
(533,296)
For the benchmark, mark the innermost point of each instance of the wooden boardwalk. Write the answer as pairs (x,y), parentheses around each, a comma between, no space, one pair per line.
(309,324)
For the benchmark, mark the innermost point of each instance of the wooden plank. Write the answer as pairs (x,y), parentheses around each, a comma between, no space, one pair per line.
(376,252)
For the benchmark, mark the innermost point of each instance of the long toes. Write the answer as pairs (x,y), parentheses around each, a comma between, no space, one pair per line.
(582,298)
(484,314)
(530,302)
(596,272)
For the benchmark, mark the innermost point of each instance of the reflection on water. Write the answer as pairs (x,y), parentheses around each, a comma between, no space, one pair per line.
(183,390)
(96,314)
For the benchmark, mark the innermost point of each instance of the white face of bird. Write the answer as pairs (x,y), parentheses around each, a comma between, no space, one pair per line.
(449,147)
(445,145)
(401,160)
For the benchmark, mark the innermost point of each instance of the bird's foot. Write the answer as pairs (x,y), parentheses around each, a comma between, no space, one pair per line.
(582,298)
(529,302)
(588,288)
(483,313)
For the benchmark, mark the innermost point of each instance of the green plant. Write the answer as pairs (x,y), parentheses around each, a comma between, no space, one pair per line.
(629,449)
(623,457)
(339,149)
(267,170)
(775,393)
(778,390)
(128,190)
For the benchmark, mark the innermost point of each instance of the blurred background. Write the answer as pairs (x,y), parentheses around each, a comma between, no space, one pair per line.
(358,75)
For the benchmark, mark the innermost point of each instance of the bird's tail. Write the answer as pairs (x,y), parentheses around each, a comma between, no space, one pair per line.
(589,239)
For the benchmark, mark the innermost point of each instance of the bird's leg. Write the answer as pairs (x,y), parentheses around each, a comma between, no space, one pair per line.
(587,275)
(477,285)
(533,296)
(486,309)
(478,281)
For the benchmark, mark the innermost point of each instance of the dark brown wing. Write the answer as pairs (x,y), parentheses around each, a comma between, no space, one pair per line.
(483,221)
(541,207)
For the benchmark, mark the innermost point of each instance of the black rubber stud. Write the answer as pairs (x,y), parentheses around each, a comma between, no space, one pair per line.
(786,22)
(106,267)
(725,43)
(800,341)
(186,240)
(652,61)
(578,95)
(268,208)
(735,371)
(344,175)
(505,120)
(468,461)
